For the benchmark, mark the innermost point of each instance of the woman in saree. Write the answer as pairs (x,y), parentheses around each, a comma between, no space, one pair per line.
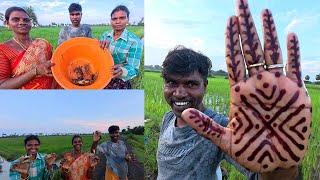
(24,62)
(77,165)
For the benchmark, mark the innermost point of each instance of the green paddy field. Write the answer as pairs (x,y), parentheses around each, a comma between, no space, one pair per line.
(52,33)
(13,147)
(217,98)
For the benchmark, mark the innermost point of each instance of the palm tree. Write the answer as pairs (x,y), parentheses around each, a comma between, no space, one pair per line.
(32,15)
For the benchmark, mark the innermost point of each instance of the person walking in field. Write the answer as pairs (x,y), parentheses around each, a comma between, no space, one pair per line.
(270,112)
(76,29)
(34,165)
(115,154)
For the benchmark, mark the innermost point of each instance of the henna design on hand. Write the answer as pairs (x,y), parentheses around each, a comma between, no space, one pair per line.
(270,113)
(251,44)
(206,124)
(232,52)
(295,59)
(271,46)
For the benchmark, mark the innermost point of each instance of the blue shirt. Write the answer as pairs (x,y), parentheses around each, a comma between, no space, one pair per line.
(126,50)
(115,154)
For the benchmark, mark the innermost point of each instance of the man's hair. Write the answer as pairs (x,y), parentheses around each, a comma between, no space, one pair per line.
(75,7)
(183,61)
(113,128)
(12,9)
(120,8)
(76,136)
(31,137)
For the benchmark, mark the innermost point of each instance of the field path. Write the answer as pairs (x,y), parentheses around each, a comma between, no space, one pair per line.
(136,170)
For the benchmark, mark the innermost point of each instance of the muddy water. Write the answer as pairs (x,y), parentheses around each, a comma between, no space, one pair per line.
(4,175)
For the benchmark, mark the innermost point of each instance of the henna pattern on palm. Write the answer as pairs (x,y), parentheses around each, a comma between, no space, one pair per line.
(270,114)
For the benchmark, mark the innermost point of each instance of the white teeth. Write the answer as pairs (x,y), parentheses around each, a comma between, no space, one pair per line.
(181,103)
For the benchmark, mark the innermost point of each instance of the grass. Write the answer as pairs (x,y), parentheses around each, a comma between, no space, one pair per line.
(137,142)
(52,33)
(217,98)
(13,147)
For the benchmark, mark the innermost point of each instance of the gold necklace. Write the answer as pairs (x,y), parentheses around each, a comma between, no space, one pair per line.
(20,44)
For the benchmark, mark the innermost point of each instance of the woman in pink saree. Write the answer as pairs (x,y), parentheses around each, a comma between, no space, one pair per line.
(24,62)
(77,165)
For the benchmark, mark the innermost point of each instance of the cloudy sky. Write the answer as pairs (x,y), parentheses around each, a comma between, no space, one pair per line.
(69,111)
(201,24)
(94,11)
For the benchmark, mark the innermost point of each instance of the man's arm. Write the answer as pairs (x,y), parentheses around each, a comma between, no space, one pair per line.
(94,146)
(95,142)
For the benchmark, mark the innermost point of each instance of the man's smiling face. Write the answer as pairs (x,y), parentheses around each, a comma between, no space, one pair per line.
(182,92)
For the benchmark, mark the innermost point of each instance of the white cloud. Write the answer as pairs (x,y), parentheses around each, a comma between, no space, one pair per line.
(10,126)
(311,66)
(57,17)
(174,2)
(92,16)
(102,125)
(198,43)
(292,25)
(82,2)
(6,4)
(47,6)
(87,124)
(302,22)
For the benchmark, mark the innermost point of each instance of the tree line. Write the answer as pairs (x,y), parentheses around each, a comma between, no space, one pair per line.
(307,79)
(33,16)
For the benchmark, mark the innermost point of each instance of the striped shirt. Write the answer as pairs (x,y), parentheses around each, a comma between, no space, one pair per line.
(126,50)
(37,171)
